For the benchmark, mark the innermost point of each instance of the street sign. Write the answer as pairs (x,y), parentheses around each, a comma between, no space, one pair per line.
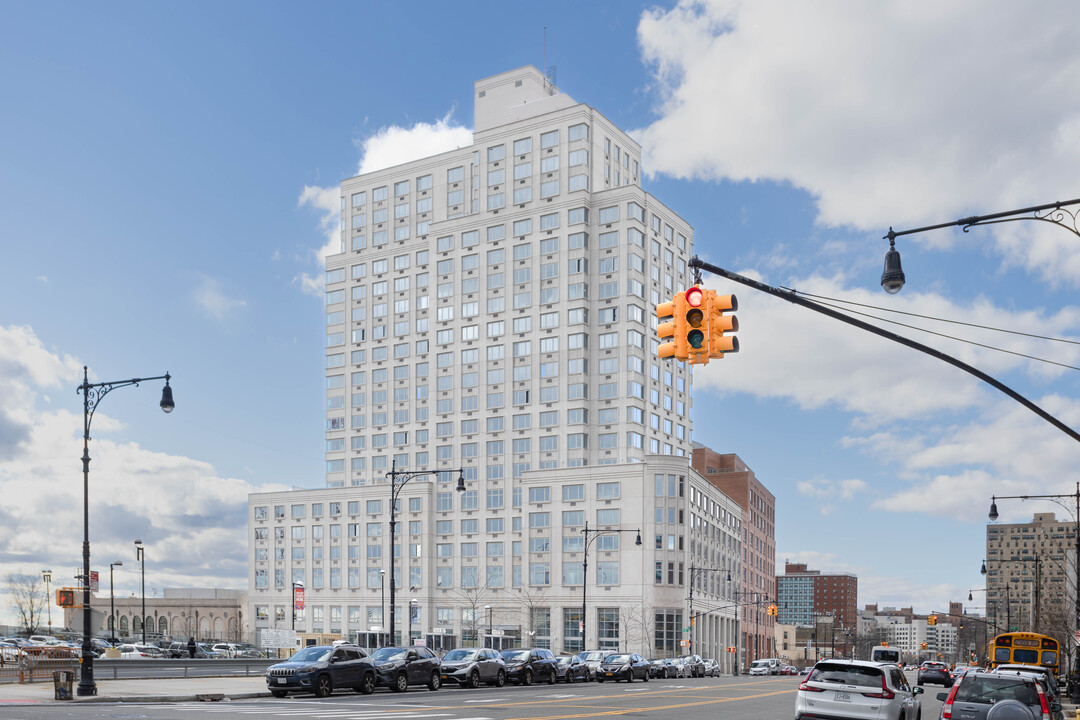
(271,638)
(684,643)
(93,581)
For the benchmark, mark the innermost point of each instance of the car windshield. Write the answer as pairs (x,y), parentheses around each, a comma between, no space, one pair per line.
(564,660)
(311,654)
(658,662)
(515,654)
(846,674)
(989,690)
(591,656)
(617,659)
(459,655)
(388,654)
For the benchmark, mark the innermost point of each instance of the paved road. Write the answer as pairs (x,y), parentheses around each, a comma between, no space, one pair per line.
(741,698)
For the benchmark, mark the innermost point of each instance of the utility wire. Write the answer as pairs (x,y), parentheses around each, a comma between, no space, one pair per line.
(943,335)
(931,317)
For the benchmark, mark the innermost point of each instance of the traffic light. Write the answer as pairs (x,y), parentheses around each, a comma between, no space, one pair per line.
(924,646)
(932,620)
(65,597)
(773,611)
(718,324)
(884,644)
(674,313)
(696,328)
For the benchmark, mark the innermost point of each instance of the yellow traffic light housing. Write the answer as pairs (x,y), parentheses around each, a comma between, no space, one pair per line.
(719,324)
(924,646)
(696,327)
(674,313)
(773,610)
(932,620)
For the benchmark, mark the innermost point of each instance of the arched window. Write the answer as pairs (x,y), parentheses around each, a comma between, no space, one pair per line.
(150,624)
(136,625)
(123,626)
(163,625)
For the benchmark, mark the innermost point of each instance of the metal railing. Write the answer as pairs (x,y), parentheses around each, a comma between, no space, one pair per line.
(37,666)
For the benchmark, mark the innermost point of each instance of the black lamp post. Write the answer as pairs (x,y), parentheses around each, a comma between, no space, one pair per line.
(491,638)
(112,600)
(382,601)
(591,535)
(1074,679)
(140,556)
(396,484)
(92,394)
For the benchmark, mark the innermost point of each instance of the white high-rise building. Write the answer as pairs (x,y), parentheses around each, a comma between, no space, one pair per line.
(492,310)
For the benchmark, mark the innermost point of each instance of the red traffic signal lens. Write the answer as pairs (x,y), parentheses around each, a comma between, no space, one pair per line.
(694,296)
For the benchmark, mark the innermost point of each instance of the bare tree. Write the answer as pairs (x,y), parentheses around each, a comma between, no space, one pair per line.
(532,599)
(639,624)
(28,599)
(472,601)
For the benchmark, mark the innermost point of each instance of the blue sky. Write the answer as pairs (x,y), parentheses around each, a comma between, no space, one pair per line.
(166,172)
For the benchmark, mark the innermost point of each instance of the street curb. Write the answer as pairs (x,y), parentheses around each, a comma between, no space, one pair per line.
(205,697)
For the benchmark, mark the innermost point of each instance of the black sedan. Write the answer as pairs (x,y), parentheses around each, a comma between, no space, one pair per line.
(662,668)
(934,672)
(523,665)
(571,668)
(400,667)
(319,669)
(623,666)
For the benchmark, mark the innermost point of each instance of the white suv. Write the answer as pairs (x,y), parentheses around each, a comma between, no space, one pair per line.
(857,689)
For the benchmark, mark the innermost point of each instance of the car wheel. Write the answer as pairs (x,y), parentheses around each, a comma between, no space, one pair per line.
(600,679)
(500,678)
(552,677)
(436,681)
(630,676)
(278,693)
(526,677)
(646,677)
(323,686)
(367,684)
(401,683)
(569,677)
(474,679)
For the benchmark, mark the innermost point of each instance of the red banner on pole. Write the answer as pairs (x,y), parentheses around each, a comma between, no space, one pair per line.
(298,598)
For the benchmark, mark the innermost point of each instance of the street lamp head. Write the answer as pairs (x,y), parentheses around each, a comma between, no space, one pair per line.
(138,543)
(461,481)
(167,403)
(892,277)
(298,583)
(969,597)
(993,508)
(118,563)
(637,541)
(487,607)
(982,571)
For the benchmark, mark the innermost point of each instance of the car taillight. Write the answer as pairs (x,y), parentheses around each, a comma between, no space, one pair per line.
(885,694)
(1045,705)
(946,709)
(809,688)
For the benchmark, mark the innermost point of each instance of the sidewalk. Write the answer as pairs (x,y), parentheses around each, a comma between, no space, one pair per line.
(141,690)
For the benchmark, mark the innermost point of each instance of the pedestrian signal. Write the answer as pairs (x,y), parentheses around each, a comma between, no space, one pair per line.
(65,598)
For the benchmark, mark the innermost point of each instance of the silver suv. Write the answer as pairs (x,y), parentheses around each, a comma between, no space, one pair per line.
(857,689)
(977,694)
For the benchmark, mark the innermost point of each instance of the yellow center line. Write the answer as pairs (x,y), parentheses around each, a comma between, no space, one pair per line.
(625,711)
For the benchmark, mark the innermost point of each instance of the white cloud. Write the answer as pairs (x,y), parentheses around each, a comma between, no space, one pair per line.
(828,492)
(193,521)
(886,112)
(213,301)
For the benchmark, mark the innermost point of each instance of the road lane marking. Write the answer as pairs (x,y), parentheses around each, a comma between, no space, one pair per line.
(626,711)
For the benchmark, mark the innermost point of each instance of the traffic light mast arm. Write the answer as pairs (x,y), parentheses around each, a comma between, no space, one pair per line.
(797,300)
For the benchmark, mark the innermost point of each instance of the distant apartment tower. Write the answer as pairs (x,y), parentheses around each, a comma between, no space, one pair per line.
(805,594)
(492,309)
(757,585)
(1030,580)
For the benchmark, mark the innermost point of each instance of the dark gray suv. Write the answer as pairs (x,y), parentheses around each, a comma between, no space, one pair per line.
(977,693)
(320,669)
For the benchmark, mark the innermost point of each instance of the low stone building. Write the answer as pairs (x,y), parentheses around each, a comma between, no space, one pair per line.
(207,613)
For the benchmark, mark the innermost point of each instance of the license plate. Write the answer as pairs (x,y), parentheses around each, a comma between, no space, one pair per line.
(609,674)
(445,677)
(841,696)
(282,681)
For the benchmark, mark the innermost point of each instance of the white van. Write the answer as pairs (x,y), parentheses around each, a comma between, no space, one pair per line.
(765,666)
(885,654)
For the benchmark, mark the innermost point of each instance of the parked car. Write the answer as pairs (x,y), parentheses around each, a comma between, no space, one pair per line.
(523,665)
(11,654)
(695,665)
(471,666)
(623,666)
(206,650)
(934,672)
(759,667)
(571,668)
(857,689)
(680,668)
(321,668)
(977,692)
(136,652)
(806,670)
(711,668)
(592,658)
(663,668)
(247,650)
(44,640)
(789,670)
(400,667)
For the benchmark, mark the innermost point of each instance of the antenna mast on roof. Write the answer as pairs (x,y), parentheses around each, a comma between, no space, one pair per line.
(550,73)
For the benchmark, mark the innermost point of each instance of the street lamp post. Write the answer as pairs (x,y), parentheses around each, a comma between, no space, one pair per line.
(596,532)
(491,639)
(140,556)
(382,600)
(412,611)
(296,584)
(395,489)
(1074,680)
(112,600)
(92,395)
(46,575)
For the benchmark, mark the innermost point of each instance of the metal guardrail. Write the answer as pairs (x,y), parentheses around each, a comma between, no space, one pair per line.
(40,669)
